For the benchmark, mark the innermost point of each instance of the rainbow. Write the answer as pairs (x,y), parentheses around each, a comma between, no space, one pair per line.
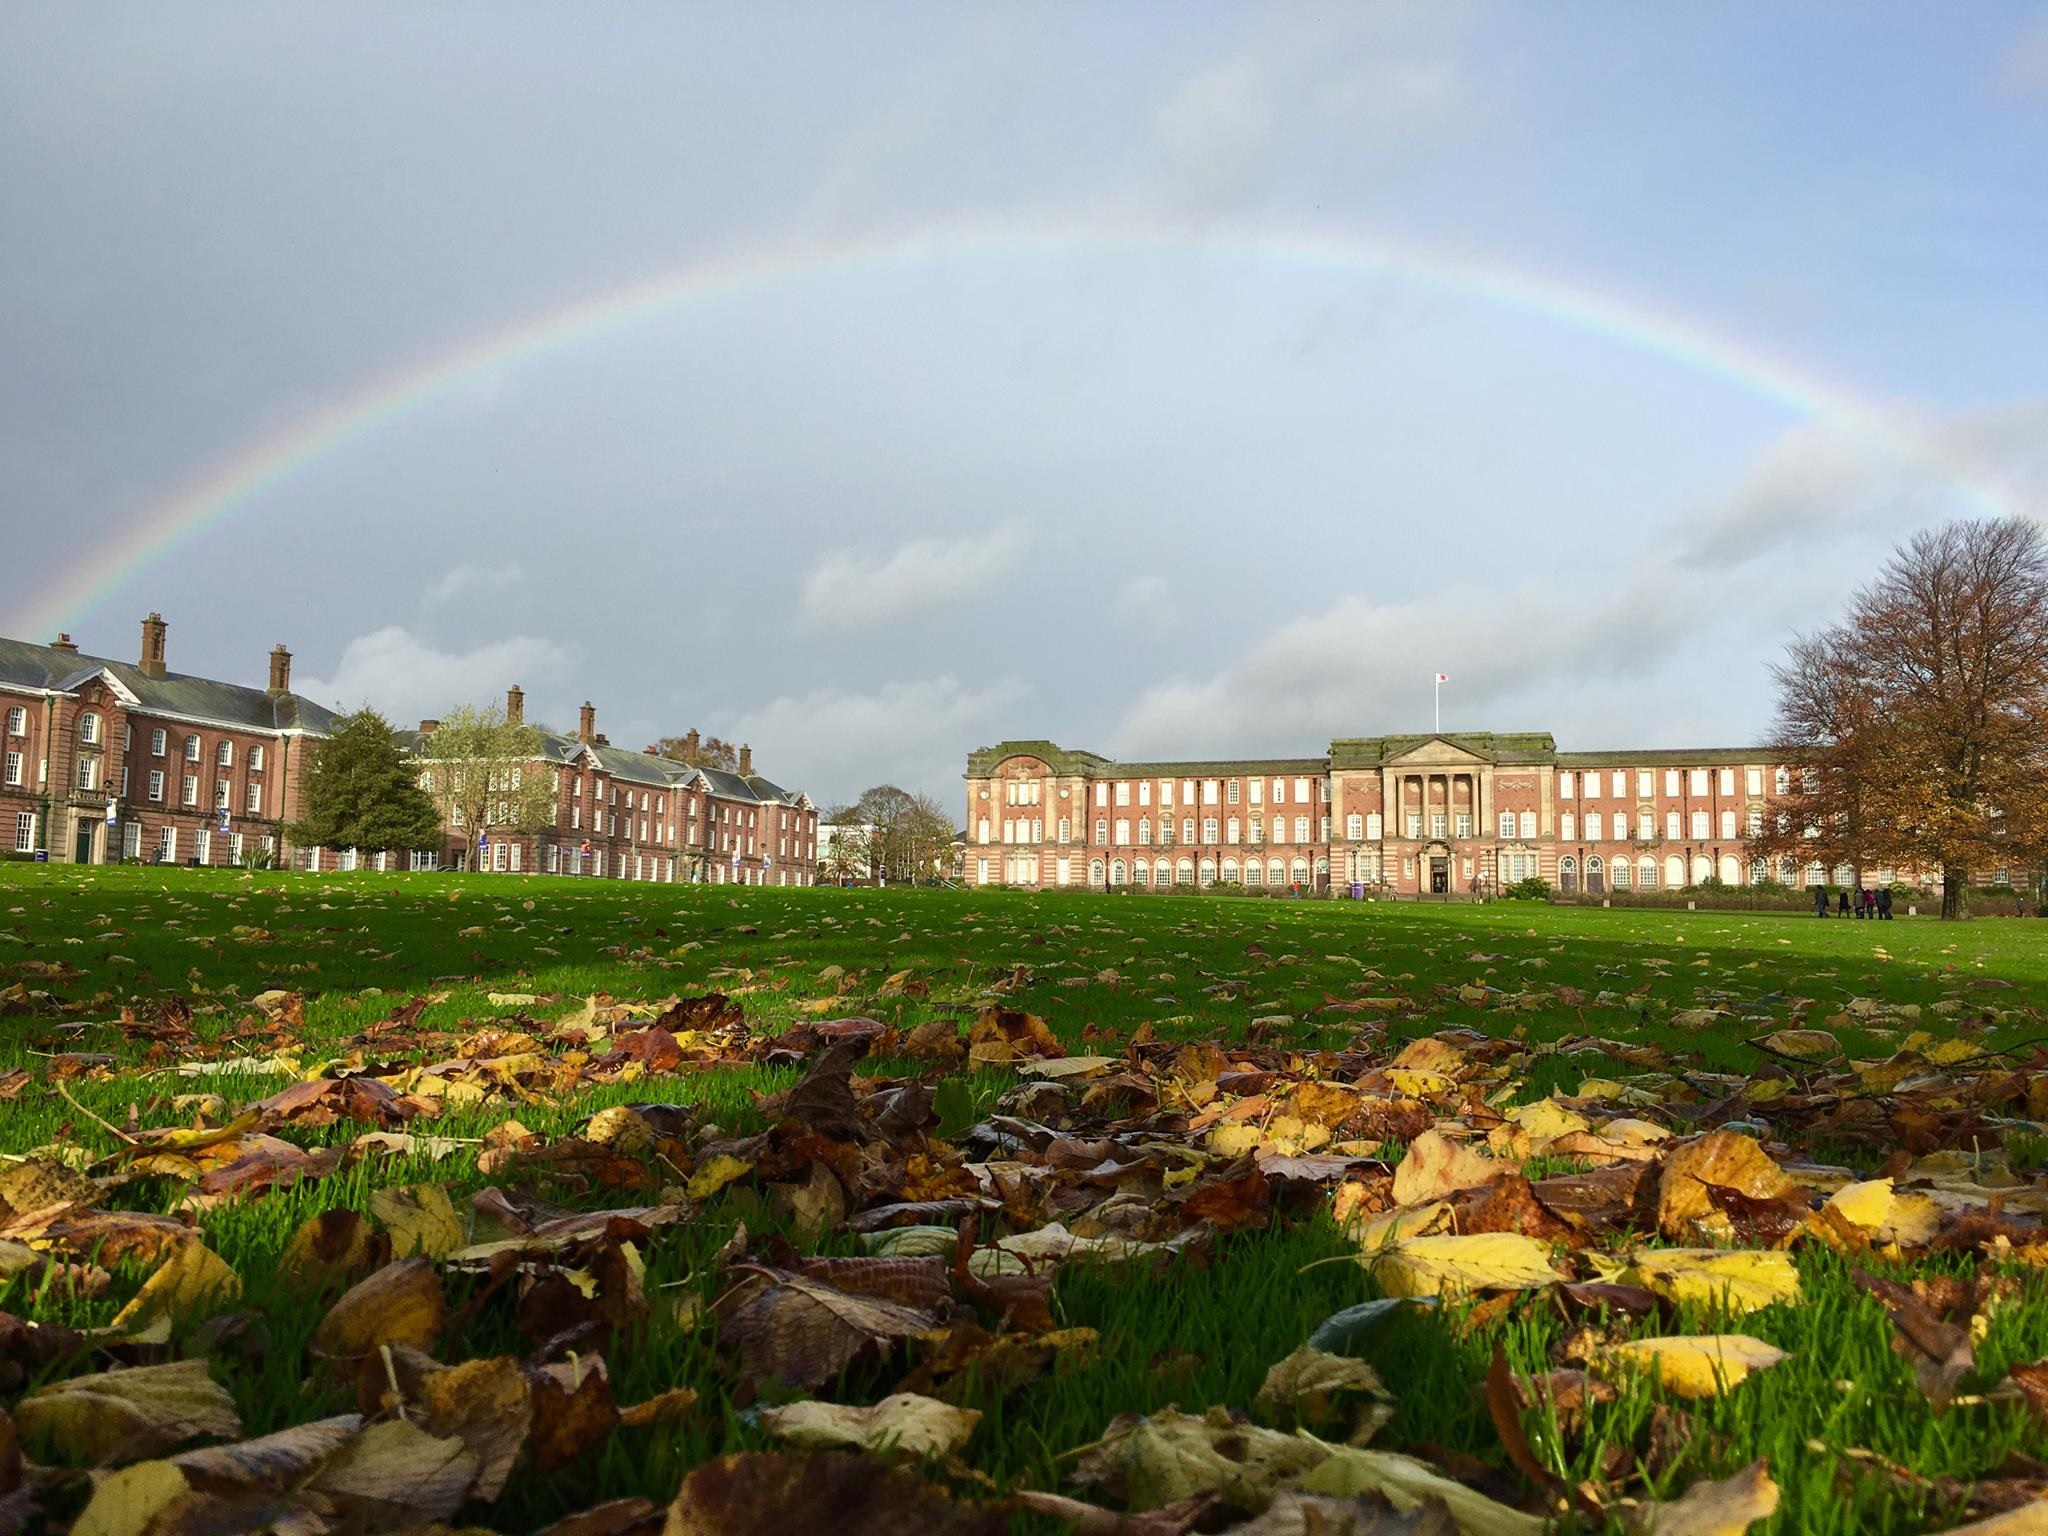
(262,466)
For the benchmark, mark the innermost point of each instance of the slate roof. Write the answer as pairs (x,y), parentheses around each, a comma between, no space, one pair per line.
(1352,753)
(45,668)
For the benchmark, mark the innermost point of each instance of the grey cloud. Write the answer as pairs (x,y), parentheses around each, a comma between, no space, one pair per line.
(406,678)
(849,589)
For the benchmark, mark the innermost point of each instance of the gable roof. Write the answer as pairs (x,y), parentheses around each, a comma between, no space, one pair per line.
(203,700)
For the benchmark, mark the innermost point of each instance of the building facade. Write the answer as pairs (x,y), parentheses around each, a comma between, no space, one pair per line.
(107,760)
(1443,814)
(110,761)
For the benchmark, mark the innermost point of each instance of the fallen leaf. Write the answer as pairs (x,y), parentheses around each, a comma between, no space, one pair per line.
(1407,1483)
(1738,1279)
(193,1280)
(1436,1166)
(420,1219)
(918,1426)
(1452,1266)
(1727,1507)
(1696,1365)
(125,1415)
(402,1303)
(796,1493)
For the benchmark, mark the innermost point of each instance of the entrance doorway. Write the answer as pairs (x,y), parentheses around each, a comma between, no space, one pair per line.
(1439,877)
(81,848)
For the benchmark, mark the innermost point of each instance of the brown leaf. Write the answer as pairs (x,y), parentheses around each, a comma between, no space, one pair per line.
(1723,1158)
(1940,1353)
(616,1517)
(574,1411)
(334,1248)
(487,1405)
(1436,1166)
(795,1493)
(401,1303)
(192,1281)
(395,1473)
(799,1332)
(269,1462)
(1709,1508)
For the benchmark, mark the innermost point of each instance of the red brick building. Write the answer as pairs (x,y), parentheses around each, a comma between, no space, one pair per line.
(626,815)
(105,760)
(112,759)
(1451,813)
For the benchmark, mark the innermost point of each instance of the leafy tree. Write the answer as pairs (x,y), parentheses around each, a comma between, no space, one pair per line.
(699,751)
(485,773)
(1918,726)
(360,791)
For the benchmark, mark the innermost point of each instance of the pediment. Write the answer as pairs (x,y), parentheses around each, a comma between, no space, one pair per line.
(1437,752)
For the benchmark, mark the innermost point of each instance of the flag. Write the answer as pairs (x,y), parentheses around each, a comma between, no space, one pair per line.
(1443,677)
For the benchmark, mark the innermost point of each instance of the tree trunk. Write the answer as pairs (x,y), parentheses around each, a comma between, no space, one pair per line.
(1952,883)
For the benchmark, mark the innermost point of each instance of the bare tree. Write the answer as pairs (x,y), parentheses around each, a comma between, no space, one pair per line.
(1918,726)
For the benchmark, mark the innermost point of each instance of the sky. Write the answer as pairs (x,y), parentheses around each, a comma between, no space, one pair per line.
(874,383)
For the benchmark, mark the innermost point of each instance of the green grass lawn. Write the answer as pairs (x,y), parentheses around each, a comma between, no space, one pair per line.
(1660,1001)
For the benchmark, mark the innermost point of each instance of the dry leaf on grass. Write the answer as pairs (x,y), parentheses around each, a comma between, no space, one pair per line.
(1407,1484)
(1452,1266)
(401,1303)
(794,1493)
(904,1421)
(1436,1166)
(800,1332)
(421,1220)
(395,1473)
(1312,1389)
(1694,1365)
(1727,1507)
(192,1281)
(1738,1279)
(1941,1353)
(126,1415)
(1724,1159)
(487,1405)
(1158,1459)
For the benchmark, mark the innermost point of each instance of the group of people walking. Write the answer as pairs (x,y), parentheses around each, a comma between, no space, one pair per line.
(1861,902)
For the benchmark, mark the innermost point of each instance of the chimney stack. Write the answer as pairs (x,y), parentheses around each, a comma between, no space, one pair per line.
(153,629)
(515,705)
(280,669)
(600,739)
(694,742)
(428,727)
(746,760)
(586,722)
(66,644)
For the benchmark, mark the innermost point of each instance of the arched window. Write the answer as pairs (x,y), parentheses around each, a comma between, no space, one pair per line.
(1276,872)
(89,728)
(1568,873)
(1646,873)
(1141,873)
(1674,871)
(1066,829)
(1254,873)
(1145,831)
(1622,874)
(1116,871)
(1205,872)
(1095,871)
(1567,826)
(1184,872)
(1123,832)
(1702,868)
(1230,871)
(1596,873)
(1298,872)
(1731,869)
(1102,829)
(1322,871)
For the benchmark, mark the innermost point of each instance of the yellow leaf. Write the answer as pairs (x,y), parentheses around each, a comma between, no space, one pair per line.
(1407,1484)
(192,1280)
(1741,1279)
(1419,1085)
(1949,1052)
(715,1173)
(123,1415)
(1867,1204)
(1458,1265)
(1696,1365)
(1234,1140)
(420,1220)
(124,1503)
(1435,1166)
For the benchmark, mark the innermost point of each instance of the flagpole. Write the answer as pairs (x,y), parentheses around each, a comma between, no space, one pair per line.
(1439,703)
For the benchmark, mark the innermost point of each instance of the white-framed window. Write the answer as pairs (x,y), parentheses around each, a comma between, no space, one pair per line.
(1439,824)
(1255,832)
(1209,829)
(191,749)
(1231,792)
(1646,825)
(1727,823)
(1373,826)
(1258,791)
(1102,794)
(156,785)
(202,845)
(24,831)
(88,773)
(224,753)
(1528,825)
(1594,830)
(157,743)
(1354,826)
(1301,829)
(1753,780)
(1507,824)
(1698,779)
(1620,783)
(1212,791)
(1231,827)
(1564,785)
(189,794)
(1463,824)
(167,844)
(1671,824)
(1123,831)
(13,775)
(1567,826)
(1123,791)
(17,721)
(1699,824)
(1415,824)
(1727,778)
(1670,781)
(1754,824)
(1592,786)
(1279,791)
(131,840)
(89,728)
(1783,781)
(1301,791)
(221,788)
(256,758)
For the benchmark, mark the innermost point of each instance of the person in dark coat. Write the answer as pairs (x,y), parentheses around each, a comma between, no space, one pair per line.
(1820,901)
(1884,902)
(1845,901)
